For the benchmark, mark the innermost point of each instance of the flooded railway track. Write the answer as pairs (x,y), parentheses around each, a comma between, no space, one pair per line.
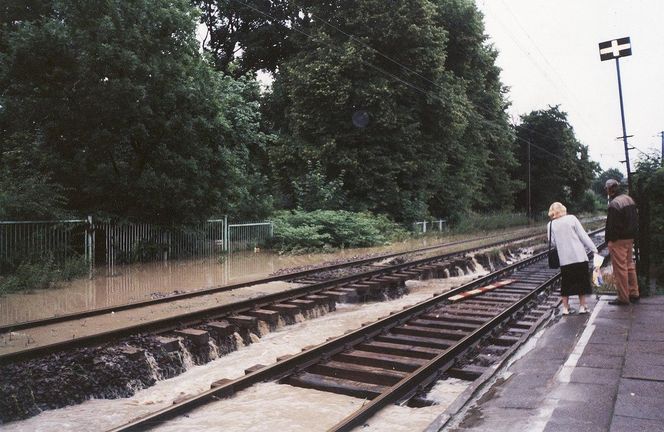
(461,333)
(246,315)
(306,276)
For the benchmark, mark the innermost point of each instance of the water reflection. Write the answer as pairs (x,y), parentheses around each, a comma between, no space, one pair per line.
(289,408)
(117,285)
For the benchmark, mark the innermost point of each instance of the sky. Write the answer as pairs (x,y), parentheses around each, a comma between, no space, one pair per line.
(549,55)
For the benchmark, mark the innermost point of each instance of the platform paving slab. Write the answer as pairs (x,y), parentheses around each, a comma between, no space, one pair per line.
(603,372)
(588,375)
(631,424)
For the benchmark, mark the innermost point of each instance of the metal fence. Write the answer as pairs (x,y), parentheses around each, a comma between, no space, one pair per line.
(439,225)
(249,235)
(22,241)
(123,243)
(114,243)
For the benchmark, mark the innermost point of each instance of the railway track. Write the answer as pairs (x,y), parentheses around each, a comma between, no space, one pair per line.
(460,333)
(245,316)
(304,276)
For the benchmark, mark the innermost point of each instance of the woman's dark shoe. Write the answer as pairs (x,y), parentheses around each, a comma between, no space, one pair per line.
(618,303)
(634,299)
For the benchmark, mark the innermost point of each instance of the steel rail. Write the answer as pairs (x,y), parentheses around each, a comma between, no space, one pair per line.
(428,372)
(190,318)
(206,291)
(300,361)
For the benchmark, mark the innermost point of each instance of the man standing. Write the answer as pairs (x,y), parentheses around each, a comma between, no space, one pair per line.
(621,229)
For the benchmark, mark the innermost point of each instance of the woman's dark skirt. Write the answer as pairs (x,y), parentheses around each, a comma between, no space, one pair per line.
(575,279)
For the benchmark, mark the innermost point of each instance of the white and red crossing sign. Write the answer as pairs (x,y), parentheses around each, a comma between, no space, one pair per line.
(479,291)
(613,49)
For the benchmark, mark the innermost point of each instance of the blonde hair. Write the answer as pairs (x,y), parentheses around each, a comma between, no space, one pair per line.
(557,210)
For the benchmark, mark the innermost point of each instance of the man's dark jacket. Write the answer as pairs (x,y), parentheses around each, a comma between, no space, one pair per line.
(622,219)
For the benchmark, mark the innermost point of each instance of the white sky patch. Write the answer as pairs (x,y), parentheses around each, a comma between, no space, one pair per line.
(549,55)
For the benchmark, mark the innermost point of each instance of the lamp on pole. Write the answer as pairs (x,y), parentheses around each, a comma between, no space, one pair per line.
(614,49)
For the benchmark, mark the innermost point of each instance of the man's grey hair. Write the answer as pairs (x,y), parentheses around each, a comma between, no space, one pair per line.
(611,183)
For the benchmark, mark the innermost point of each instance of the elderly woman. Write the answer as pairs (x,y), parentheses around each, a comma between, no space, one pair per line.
(572,242)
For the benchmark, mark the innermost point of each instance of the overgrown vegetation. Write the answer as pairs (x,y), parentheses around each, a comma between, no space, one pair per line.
(112,109)
(326,230)
(100,114)
(41,273)
(564,171)
(475,222)
(649,195)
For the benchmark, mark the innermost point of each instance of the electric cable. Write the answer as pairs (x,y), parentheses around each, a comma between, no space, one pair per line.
(397,78)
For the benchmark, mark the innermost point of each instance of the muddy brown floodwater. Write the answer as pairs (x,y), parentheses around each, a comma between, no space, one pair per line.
(127,284)
(269,406)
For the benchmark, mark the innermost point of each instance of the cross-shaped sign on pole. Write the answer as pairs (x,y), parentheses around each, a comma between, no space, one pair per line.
(612,49)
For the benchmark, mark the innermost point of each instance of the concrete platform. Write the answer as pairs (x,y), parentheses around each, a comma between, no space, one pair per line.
(602,371)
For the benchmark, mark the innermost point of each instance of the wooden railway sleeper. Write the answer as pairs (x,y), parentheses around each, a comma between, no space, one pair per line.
(425,373)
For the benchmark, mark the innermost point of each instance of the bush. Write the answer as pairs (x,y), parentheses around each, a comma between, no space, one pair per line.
(41,274)
(474,222)
(327,230)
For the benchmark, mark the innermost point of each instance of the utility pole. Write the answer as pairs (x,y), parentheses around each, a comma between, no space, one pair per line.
(614,49)
(624,129)
(530,210)
(661,157)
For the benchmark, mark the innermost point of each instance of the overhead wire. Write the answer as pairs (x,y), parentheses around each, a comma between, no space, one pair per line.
(397,78)
(411,85)
(570,94)
(357,40)
(564,88)
(639,150)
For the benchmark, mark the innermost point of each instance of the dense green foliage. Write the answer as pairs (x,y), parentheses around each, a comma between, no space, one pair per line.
(41,273)
(247,35)
(312,190)
(474,222)
(114,103)
(559,164)
(373,91)
(600,181)
(648,192)
(112,109)
(325,230)
(487,138)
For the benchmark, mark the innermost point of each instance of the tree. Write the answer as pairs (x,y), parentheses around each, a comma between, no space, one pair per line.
(314,192)
(247,36)
(123,111)
(559,164)
(369,93)
(489,134)
(25,192)
(600,181)
(648,192)
(420,72)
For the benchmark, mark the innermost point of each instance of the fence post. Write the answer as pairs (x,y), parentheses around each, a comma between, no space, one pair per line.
(226,233)
(90,246)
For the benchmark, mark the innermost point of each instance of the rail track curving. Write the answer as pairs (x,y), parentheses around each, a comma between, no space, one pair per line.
(246,314)
(301,276)
(393,360)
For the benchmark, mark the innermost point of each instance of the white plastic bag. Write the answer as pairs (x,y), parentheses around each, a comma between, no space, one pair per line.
(597,274)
